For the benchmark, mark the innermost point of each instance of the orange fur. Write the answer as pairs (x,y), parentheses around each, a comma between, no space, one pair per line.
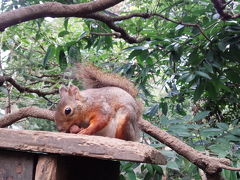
(121,128)
(97,122)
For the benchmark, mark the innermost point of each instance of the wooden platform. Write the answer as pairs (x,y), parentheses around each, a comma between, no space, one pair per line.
(42,155)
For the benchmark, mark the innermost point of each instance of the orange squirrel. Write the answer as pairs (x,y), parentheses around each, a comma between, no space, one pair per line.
(107,107)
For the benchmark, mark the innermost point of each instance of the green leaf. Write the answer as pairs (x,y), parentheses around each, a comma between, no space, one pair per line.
(168,154)
(180,110)
(208,132)
(121,177)
(208,67)
(149,61)
(84,34)
(173,165)
(211,90)
(223,126)
(150,169)
(66,23)
(158,169)
(63,33)
(136,48)
(3,90)
(164,120)
(199,91)
(179,27)
(180,130)
(164,108)
(199,116)
(235,132)
(62,60)
(190,77)
(221,149)
(233,75)
(194,57)
(210,56)
(49,54)
(222,46)
(152,110)
(126,166)
(233,175)
(203,74)
(229,175)
(148,176)
(231,138)
(74,54)
(131,175)
(233,29)
(133,54)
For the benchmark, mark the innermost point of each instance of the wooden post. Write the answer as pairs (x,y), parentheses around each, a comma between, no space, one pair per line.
(46,168)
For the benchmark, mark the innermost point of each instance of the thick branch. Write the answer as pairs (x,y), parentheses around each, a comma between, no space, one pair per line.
(220,6)
(52,9)
(210,165)
(24,113)
(110,22)
(22,89)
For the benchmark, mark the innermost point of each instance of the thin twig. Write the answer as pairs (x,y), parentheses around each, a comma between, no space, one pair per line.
(22,89)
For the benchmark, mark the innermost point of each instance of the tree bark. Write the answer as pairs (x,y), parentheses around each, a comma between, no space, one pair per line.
(52,9)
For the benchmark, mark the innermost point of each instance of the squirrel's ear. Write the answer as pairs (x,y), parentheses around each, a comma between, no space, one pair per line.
(75,92)
(63,91)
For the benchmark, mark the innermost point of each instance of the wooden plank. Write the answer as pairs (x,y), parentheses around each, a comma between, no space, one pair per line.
(80,145)
(16,165)
(46,168)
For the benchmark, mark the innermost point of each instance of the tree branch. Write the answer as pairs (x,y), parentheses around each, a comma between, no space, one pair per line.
(22,89)
(24,113)
(111,23)
(84,10)
(210,165)
(149,15)
(220,6)
(117,35)
(52,9)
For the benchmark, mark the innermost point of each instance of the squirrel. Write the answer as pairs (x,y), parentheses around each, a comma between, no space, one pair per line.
(108,105)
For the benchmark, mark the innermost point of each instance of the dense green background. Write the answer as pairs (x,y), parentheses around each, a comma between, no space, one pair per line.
(189,83)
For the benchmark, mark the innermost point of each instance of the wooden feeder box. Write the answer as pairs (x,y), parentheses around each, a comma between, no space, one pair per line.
(41,155)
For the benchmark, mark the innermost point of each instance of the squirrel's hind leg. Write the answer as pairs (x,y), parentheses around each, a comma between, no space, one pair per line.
(127,127)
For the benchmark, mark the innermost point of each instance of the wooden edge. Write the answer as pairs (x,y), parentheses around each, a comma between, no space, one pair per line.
(79,145)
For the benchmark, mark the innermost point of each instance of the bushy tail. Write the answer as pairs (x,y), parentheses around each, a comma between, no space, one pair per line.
(92,77)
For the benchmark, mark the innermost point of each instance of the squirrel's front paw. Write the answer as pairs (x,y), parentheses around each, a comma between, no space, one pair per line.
(84,131)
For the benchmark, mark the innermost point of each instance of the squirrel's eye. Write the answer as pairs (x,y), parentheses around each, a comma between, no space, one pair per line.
(68,110)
